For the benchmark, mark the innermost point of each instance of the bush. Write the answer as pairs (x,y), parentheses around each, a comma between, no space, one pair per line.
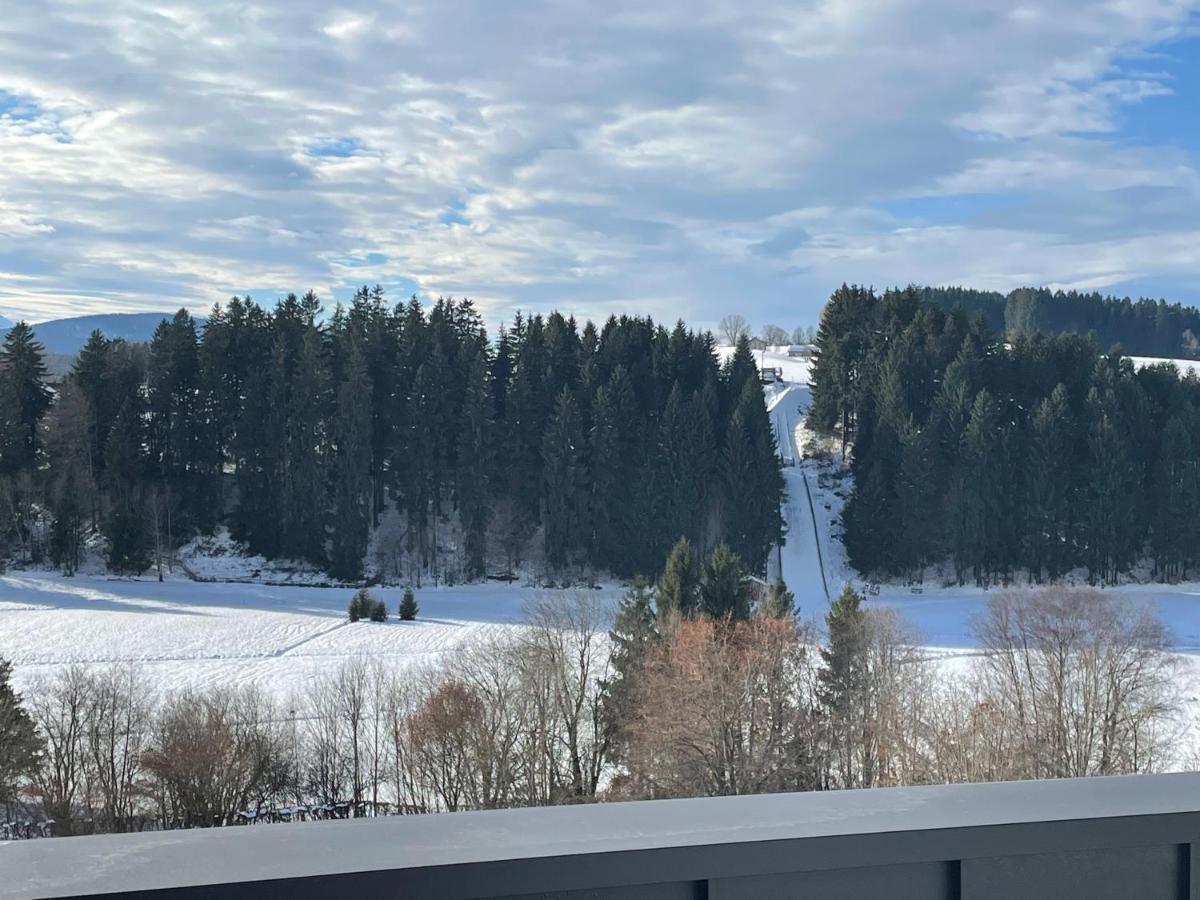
(408,606)
(365,606)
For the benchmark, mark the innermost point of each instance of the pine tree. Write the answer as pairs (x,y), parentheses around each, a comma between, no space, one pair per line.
(473,475)
(66,531)
(752,482)
(563,491)
(678,590)
(302,484)
(1108,521)
(984,543)
(409,609)
(1048,481)
(20,744)
(352,497)
(634,634)
(842,678)
(127,525)
(724,592)
(24,399)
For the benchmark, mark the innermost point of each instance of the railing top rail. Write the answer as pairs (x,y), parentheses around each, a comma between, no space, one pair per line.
(181,859)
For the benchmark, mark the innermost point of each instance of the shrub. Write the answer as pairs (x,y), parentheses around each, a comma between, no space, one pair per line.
(378,611)
(363,606)
(408,606)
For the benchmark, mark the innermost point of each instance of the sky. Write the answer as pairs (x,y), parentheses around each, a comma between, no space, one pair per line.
(682,158)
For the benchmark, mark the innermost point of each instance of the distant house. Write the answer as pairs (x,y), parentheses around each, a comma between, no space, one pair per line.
(757,343)
(801,351)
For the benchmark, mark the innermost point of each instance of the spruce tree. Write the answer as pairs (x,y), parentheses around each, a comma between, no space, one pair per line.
(24,399)
(473,475)
(408,609)
(633,636)
(352,497)
(679,585)
(303,485)
(724,592)
(987,522)
(1048,479)
(20,744)
(563,485)
(127,525)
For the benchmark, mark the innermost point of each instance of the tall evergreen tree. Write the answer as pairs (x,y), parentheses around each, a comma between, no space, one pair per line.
(679,585)
(20,744)
(473,476)
(724,592)
(1048,481)
(351,459)
(564,495)
(24,399)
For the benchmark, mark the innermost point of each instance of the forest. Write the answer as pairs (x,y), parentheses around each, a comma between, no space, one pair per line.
(1142,327)
(1040,454)
(586,449)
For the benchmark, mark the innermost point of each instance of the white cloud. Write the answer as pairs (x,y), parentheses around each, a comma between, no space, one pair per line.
(686,156)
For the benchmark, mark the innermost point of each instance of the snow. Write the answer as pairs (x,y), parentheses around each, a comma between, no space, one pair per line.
(187,634)
(795,370)
(1185,366)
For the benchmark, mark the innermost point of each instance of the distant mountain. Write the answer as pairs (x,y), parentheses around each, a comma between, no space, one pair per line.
(6,323)
(67,336)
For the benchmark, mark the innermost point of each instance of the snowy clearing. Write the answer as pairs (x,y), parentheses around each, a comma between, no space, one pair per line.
(188,634)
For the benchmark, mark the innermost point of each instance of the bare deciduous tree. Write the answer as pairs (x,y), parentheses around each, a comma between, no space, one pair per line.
(1082,680)
(566,663)
(732,327)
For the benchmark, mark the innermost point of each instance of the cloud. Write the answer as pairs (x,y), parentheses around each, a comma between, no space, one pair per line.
(681,159)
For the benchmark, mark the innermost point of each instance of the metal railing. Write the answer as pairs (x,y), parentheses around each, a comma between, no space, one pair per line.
(1088,838)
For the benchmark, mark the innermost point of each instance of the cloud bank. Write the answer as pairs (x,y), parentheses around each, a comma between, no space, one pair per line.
(679,158)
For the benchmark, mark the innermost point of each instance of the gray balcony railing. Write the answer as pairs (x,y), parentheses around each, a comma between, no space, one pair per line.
(1132,837)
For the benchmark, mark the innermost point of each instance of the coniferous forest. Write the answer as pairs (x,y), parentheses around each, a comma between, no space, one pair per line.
(595,448)
(1037,454)
(1142,327)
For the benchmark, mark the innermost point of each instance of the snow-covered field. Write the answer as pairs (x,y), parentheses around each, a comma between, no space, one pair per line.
(188,634)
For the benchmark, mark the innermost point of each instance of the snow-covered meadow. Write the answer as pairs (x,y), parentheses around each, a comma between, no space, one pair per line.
(189,634)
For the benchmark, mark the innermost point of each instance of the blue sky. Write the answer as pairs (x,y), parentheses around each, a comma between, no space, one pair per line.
(685,158)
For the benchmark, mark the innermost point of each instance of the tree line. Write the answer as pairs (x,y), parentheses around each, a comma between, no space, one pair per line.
(1070,683)
(592,449)
(1143,327)
(1039,454)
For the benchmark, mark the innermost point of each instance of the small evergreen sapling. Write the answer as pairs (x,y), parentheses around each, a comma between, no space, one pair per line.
(378,611)
(408,606)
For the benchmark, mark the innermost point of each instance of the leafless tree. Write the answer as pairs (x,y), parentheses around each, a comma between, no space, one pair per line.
(565,662)
(1082,680)
(721,711)
(60,707)
(733,327)
(215,754)
(774,336)
(119,719)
